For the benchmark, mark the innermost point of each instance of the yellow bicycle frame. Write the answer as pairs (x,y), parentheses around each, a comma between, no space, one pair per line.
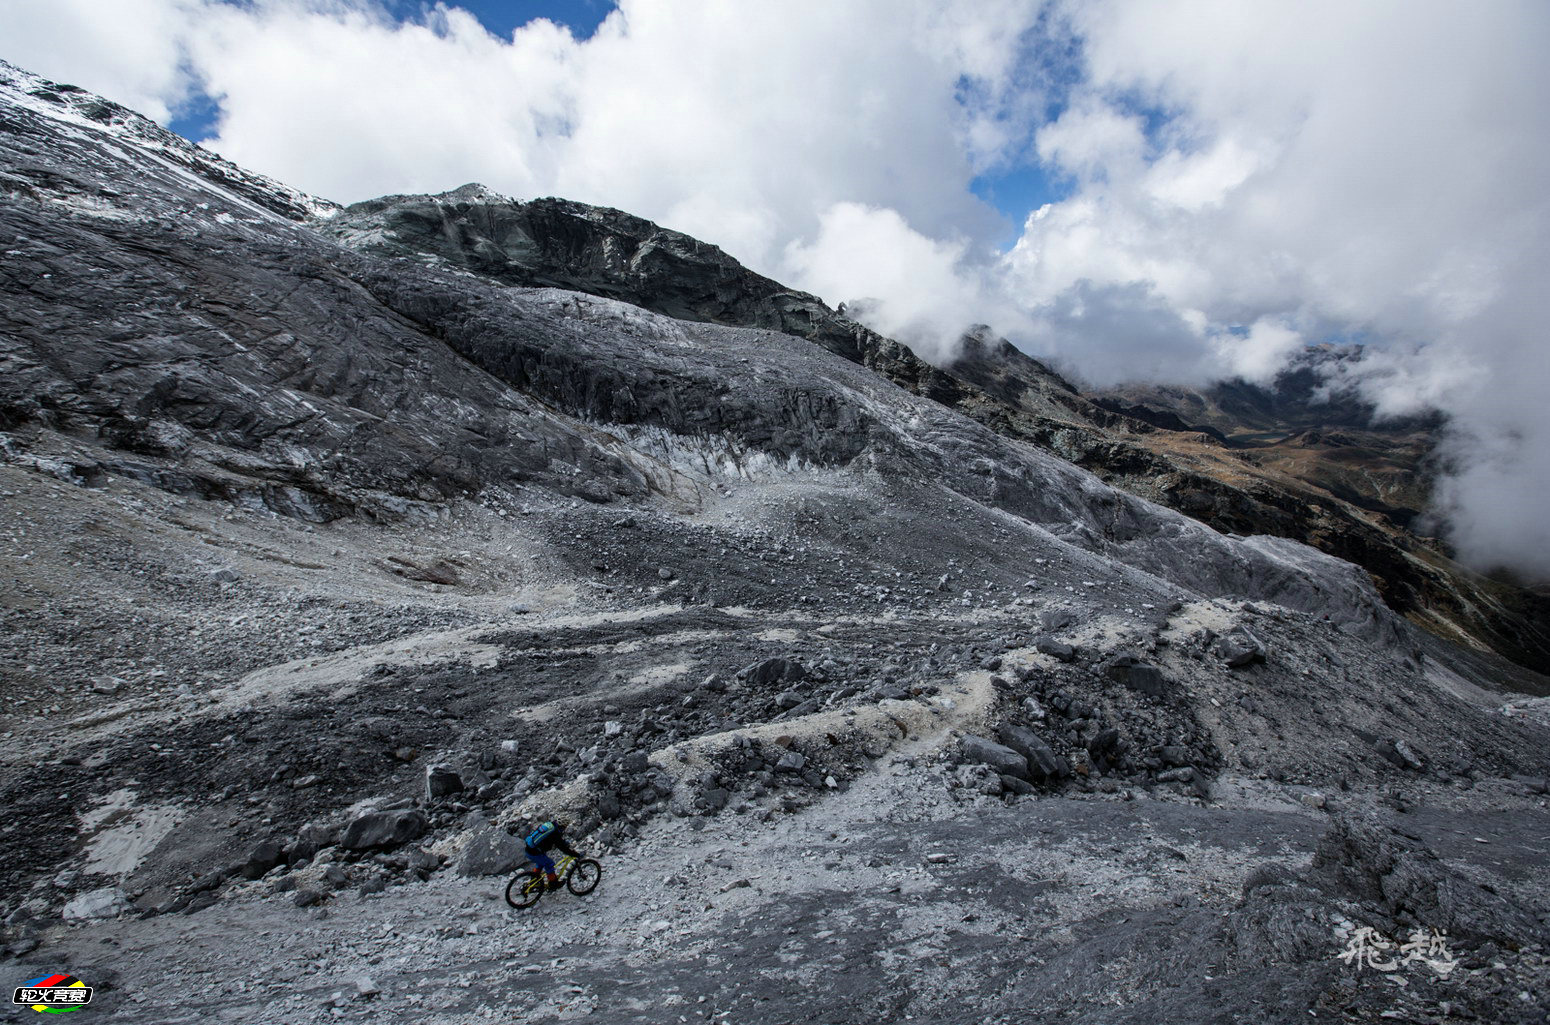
(561,869)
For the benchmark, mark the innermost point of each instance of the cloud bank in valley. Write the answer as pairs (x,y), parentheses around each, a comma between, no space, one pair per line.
(1224,181)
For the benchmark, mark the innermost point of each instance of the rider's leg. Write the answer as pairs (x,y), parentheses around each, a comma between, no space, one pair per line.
(545,865)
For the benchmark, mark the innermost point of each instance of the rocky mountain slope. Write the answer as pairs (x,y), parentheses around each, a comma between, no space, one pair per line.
(1355,494)
(1303,424)
(325,556)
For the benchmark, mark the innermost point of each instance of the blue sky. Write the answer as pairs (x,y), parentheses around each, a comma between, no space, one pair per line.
(500,17)
(1018,192)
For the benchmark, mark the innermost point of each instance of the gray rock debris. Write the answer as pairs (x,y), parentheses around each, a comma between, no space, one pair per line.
(1402,753)
(1364,856)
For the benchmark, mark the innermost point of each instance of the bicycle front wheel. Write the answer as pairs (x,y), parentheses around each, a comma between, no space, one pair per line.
(583,879)
(524,889)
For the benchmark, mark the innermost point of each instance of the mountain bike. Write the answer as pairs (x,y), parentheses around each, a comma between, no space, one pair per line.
(581,876)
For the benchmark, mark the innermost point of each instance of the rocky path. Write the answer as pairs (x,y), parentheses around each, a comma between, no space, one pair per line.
(883,900)
(887,902)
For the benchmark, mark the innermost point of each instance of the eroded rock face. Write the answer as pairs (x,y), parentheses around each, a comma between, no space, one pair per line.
(605,252)
(1366,857)
(407,385)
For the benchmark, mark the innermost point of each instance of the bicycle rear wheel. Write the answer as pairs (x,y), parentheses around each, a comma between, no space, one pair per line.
(525,888)
(584,877)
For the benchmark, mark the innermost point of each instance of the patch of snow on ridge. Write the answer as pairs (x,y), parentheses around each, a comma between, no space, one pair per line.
(77,107)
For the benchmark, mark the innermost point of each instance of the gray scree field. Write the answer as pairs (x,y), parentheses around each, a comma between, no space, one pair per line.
(324,558)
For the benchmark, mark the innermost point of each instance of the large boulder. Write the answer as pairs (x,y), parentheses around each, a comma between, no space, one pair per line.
(1044,764)
(772,671)
(263,857)
(1239,648)
(790,761)
(491,852)
(1106,748)
(1138,676)
(609,806)
(1057,650)
(999,757)
(383,829)
(1016,787)
(441,781)
(310,840)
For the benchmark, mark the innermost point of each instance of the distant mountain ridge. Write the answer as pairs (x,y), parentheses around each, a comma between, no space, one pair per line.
(1303,395)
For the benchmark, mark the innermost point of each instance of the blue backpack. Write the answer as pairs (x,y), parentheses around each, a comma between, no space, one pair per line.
(538,835)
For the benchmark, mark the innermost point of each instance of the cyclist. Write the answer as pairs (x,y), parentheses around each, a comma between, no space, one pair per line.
(539,842)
